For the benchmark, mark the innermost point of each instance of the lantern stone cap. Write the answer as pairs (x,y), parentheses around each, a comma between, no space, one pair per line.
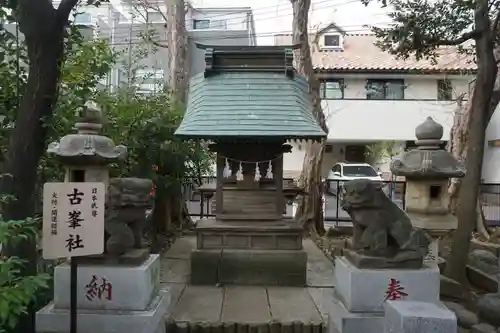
(429,130)
(87,146)
(428,160)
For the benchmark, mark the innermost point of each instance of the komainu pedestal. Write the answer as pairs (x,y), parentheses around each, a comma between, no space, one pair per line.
(110,299)
(384,264)
(362,293)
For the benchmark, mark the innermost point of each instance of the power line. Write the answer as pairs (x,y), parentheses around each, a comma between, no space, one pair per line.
(260,19)
(233,36)
(124,33)
(256,10)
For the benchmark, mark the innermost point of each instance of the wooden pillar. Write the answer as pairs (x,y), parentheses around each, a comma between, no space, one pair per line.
(278,179)
(220,164)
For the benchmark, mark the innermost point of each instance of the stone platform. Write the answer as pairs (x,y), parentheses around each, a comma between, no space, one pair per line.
(246,309)
(249,253)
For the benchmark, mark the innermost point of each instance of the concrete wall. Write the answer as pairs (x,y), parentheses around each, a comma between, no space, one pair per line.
(355,118)
(491,160)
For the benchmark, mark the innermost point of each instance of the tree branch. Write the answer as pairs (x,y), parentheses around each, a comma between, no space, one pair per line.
(452,42)
(65,8)
(158,44)
(495,23)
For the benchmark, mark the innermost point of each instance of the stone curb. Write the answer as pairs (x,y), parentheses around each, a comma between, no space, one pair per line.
(271,327)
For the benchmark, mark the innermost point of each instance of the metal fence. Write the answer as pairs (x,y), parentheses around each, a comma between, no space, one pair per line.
(334,215)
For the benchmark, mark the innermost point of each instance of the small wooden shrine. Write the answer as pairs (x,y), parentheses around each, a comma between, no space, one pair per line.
(248,103)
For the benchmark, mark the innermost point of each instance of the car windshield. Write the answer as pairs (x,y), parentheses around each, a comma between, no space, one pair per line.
(359,171)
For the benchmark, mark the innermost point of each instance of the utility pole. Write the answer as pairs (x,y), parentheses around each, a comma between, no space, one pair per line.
(129,62)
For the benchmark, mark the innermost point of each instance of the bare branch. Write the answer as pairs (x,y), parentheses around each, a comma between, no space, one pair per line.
(165,46)
(494,26)
(65,8)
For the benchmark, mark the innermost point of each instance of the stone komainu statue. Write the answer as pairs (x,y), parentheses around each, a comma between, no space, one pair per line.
(126,205)
(383,235)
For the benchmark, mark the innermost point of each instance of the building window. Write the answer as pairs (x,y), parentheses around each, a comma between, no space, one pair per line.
(210,24)
(332,89)
(201,24)
(385,89)
(444,90)
(218,24)
(332,40)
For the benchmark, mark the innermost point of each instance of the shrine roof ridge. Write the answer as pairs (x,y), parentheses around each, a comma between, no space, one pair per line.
(245,58)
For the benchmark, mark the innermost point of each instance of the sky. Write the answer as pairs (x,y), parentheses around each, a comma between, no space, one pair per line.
(275,16)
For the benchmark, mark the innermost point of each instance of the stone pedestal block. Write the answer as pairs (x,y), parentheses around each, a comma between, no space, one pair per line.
(152,320)
(213,234)
(366,290)
(109,287)
(340,320)
(249,267)
(418,317)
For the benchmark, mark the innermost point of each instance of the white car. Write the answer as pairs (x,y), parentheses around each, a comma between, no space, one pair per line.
(343,172)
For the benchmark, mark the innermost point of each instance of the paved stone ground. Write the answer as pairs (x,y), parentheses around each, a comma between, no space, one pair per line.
(246,304)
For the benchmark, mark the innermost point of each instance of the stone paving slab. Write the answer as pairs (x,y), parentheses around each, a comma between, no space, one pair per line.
(199,304)
(245,304)
(319,267)
(175,271)
(324,299)
(292,304)
(181,249)
(175,290)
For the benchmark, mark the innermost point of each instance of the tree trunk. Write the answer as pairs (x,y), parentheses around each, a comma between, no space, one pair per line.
(174,209)
(472,132)
(43,28)
(310,209)
(177,49)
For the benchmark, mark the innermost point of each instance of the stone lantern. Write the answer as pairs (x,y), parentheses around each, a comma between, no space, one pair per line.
(118,291)
(427,170)
(86,154)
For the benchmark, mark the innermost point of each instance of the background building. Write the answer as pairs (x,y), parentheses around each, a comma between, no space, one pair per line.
(368,96)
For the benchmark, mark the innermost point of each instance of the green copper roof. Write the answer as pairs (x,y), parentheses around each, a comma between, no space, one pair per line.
(249,104)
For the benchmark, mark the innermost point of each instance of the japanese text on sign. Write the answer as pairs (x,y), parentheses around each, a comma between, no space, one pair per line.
(395,291)
(74,240)
(100,289)
(73,219)
(53,214)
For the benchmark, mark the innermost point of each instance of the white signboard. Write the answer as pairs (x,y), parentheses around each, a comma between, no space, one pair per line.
(73,219)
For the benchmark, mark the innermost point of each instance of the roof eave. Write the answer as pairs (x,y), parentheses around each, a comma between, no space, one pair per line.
(393,71)
(215,137)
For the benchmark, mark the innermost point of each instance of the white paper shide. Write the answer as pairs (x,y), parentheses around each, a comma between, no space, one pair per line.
(73,219)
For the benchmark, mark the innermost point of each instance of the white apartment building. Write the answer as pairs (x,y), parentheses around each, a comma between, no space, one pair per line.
(369,96)
(125,26)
